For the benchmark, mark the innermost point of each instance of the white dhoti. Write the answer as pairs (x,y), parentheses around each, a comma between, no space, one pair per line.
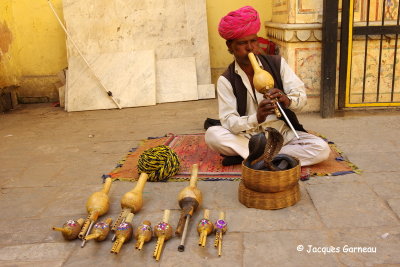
(309,149)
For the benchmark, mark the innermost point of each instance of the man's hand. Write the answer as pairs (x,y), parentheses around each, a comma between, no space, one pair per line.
(265,108)
(277,94)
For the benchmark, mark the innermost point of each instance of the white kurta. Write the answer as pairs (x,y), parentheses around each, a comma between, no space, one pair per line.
(233,136)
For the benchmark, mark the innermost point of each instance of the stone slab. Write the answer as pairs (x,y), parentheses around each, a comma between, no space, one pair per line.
(384,239)
(176,80)
(385,184)
(57,263)
(100,252)
(279,248)
(349,205)
(129,76)
(193,255)
(61,96)
(302,215)
(10,174)
(351,177)
(105,27)
(25,202)
(35,230)
(70,203)
(197,26)
(66,91)
(383,161)
(37,252)
(226,200)
(394,204)
(43,173)
(74,173)
(206,91)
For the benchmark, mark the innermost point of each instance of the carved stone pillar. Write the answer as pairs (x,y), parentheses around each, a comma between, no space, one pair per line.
(296,27)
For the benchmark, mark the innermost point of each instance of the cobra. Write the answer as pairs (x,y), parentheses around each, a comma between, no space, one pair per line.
(263,152)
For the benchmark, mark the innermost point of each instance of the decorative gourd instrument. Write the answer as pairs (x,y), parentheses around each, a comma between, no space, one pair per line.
(189,199)
(70,229)
(131,202)
(263,81)
(143,233)
(97,205)
(205,227)
(123,234)
(100,230)
(220,228)
(163,231)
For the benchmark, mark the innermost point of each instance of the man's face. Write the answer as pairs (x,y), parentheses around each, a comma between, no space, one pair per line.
(241,47)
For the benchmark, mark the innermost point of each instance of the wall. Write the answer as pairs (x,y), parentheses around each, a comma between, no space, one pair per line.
(219,55)
(37,51)
(9,71)
(42,52)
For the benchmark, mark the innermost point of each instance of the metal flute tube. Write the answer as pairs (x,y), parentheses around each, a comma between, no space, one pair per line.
(181,247)
(287,119)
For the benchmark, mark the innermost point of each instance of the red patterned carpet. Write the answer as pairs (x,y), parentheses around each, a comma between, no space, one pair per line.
(191,149)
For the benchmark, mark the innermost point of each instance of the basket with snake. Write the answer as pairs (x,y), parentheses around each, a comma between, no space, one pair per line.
(269,179)
(265,170)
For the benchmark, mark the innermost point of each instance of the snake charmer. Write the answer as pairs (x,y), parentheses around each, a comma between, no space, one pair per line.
(244,112)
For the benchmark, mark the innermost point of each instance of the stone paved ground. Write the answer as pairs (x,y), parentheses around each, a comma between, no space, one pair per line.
(49,166)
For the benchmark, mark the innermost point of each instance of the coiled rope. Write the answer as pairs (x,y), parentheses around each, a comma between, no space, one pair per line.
(159,162)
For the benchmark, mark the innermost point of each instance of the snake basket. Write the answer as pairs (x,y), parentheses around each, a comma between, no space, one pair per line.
(269,201)
(270,181)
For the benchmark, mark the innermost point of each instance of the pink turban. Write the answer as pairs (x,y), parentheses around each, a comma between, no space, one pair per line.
(239,23)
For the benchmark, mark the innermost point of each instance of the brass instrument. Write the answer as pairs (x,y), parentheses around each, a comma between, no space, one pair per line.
(220,228)
(70,229)
(205,227)
(123,234)
(163,231)
(100,230)
(143,233)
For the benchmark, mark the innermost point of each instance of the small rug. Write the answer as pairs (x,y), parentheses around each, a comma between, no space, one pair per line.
(191,149)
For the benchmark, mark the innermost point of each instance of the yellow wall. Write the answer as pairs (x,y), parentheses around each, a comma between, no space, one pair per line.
(219,55)
(36,49)
(42,41)
(9,71)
